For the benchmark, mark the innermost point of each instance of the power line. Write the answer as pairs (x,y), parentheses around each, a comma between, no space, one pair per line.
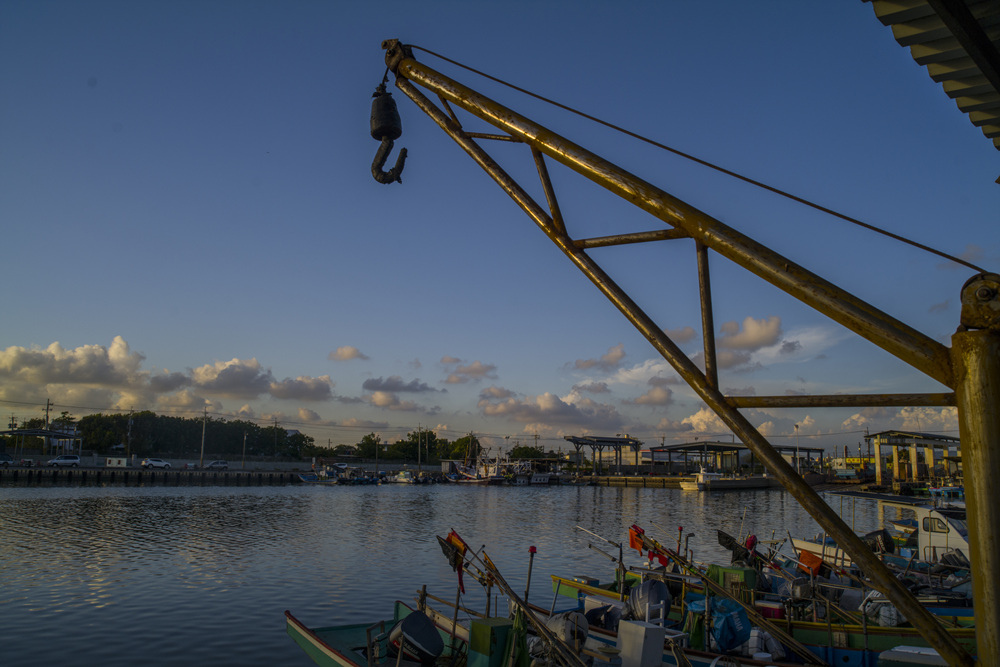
(710,165)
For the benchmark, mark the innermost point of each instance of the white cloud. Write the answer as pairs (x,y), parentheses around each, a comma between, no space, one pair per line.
(475,371)
(346,353)
(608,362)
(917,419)
(88,364)
(682,335)
(752,335)
(705,421)
(547,412)
(389,401)
(657,395)
(495,393)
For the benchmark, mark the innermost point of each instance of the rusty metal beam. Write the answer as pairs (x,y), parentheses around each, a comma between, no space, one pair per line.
(707,316)
(634,237)
(901,340)
(842,400)
(915,348)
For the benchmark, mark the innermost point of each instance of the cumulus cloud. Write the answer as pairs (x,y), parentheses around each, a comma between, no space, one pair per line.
(447,361)
(657,395)
(752,335)
(186,400)
(116,365)
(346,353)
(166,382)
(682,335)
(389,401)
(705,421)
(309,416)
(396,384)
(917,419)
(242,378)
(473,372)
(303,388)
(609,361)
(548,411)
(495,393)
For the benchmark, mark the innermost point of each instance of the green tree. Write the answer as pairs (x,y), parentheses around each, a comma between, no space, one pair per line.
(367,446)
(526,452)
(64,421)
(464,448)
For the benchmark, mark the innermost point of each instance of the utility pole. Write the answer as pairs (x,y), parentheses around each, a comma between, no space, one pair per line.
(243,463)
(797,450)
(128,436)
(204,421)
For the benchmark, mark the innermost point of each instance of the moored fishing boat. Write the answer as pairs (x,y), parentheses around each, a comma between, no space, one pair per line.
(325,475)
(834,634)
(701,481)
(404,477)
(936,536)
(408,638)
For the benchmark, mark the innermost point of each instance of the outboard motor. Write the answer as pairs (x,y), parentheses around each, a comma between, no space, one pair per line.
(571,627)
(880,541)
(649,592)
(417,638)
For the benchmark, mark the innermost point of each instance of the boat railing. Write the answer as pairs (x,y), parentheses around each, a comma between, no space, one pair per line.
(376,647)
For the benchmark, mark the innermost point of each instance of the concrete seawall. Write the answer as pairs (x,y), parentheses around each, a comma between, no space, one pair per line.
(138,477)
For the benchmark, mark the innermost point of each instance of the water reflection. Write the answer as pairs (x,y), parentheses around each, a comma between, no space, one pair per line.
(166,576)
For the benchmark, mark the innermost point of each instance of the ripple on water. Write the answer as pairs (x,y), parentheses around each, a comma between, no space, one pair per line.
(163,576)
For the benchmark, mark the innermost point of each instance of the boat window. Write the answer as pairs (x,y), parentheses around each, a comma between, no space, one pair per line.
(932,524)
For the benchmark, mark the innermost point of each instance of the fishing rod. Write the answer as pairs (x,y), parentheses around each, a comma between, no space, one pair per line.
(759,619)
(621,560)
(561,650)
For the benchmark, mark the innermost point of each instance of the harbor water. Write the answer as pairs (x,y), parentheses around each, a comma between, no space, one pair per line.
(202,575)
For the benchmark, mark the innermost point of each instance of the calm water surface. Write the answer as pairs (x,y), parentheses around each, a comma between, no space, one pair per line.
(180,576)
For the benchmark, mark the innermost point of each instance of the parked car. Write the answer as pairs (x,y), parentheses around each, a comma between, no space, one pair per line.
(217,465)
(6,460)
(154,463)
(64,461)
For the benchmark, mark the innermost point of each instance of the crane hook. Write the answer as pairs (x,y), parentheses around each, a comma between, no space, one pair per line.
(386,127)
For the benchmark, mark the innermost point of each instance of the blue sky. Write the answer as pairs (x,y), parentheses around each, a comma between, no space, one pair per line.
(189,217)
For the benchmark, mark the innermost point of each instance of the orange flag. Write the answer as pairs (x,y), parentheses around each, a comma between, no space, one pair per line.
(635,534)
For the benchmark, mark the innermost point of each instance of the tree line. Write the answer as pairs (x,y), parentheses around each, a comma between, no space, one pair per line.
(146,433)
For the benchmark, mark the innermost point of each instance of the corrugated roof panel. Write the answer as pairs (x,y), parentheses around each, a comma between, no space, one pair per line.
(958,41)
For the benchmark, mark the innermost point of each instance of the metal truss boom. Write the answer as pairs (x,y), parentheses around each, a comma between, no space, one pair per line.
(918,350)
